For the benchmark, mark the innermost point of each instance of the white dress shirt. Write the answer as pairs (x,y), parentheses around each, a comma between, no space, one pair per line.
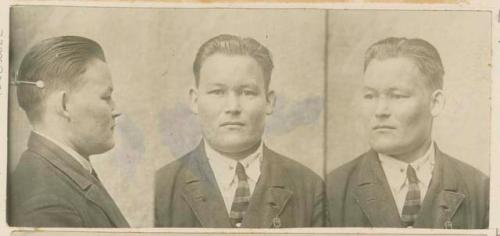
(395,172)
(224,169)
(79,158)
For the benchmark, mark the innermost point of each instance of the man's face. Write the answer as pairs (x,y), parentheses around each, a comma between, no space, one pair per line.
(91,111)
(231,102)
(397,106)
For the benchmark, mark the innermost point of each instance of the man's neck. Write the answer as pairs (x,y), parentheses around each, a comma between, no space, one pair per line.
(415,154)
(57,136)
(238,155)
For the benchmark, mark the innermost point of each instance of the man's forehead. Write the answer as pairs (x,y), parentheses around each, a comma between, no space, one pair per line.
(399,71)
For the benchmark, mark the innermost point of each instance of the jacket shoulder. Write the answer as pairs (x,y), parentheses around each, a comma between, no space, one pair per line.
(345,171)
(465,172)
(173,166)
(169,173)
(294,168)
(31,167)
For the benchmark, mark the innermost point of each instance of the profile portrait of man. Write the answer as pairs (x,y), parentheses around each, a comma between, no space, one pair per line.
(232,179)
(65,88)
(405,180)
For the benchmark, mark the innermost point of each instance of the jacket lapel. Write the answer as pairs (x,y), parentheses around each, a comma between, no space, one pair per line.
(202,194)
(91,187)
(270,196)
(99,196)
(373,194)
(443,198)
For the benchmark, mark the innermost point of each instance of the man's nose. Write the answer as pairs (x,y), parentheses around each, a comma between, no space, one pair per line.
(115,114)
(233,104)
(382,108)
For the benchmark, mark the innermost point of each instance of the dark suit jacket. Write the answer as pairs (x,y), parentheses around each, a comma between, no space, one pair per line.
(359,196)
(287,194)
(49,188)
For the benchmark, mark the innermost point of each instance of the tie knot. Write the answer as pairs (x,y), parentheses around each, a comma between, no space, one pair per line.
(411,175)
(240,171)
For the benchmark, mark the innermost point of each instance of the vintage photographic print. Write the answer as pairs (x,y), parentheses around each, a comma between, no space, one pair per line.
(197,118)
(190,119)
(408,119)
(289,232)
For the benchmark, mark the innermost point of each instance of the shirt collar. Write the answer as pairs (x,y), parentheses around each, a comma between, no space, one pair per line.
(79,158)
(395,170)
(224,168)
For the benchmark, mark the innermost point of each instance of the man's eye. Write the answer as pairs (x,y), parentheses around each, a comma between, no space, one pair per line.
(216,92)
(106,98)
(368,96)
(249,93)
(398,96)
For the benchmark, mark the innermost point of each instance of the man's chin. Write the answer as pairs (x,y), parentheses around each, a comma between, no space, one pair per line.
(103,149)
(386,148)
(235,146)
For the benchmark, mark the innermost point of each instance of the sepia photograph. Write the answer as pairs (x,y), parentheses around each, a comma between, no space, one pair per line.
(408,127)
(166,117)
(240,119)
(288,232)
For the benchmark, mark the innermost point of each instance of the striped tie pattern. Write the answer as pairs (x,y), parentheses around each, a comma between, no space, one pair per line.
(241,197)
(412,201)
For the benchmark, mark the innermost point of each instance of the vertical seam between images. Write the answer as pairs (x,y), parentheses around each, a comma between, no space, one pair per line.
(325,110)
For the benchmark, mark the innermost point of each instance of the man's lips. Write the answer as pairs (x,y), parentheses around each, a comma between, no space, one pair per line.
(383,127)
(232,123)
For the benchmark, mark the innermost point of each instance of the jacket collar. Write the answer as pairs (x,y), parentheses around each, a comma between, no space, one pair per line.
(374,196)
(445,190)
(61,160)
(88,184)
(268,199)
(271,194)
(202,193)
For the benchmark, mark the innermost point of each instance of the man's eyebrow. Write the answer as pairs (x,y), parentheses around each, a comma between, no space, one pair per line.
(249,86)
(368,88)
(217,84)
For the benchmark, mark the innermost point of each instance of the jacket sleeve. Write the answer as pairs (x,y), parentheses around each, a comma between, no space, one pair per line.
(47,211)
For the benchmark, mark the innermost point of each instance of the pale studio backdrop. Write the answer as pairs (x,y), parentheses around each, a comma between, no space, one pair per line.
(463,41)
(150,54)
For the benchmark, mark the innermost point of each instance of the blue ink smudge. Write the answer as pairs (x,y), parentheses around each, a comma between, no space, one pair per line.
(180,129)
(132,148)
(287,118)
(181,132)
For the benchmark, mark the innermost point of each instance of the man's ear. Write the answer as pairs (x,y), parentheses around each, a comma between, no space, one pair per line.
(193,95)
(438,101)
(270,102)
(59,102)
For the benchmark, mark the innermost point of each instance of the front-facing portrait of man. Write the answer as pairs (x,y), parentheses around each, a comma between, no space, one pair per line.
(232,179)
(405,180)
(65,88)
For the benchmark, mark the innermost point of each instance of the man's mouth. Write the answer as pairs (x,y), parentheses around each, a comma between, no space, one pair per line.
(383,127)
(232,123)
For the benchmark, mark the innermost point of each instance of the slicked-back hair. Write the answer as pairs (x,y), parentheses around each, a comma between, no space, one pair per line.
(234,45)
(57,62)
(422,53)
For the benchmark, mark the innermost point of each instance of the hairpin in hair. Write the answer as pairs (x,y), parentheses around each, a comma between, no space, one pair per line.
(38,83)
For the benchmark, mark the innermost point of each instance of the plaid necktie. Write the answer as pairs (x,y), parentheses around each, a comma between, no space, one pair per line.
(412,202)
(241,197)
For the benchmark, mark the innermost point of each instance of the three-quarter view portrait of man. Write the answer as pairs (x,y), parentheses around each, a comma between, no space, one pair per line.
(65,88)
(232,179)
(405,180)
